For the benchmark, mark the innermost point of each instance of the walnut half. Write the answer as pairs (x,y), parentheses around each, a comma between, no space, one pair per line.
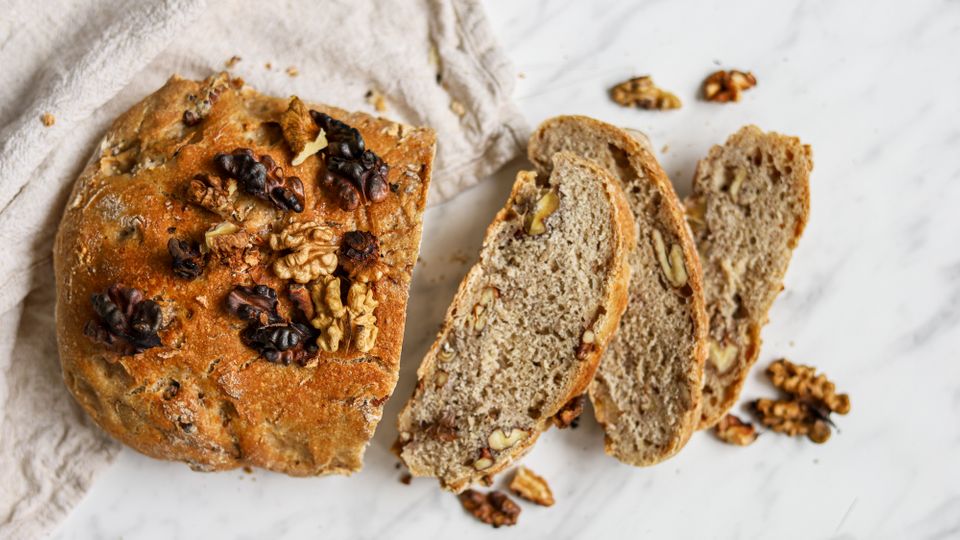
(532,487)
(311,251)
(732,430)
(339,321)
(642,93)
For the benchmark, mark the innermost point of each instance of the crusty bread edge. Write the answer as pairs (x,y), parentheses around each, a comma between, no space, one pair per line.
(616,304)
(756,341)
(651,169)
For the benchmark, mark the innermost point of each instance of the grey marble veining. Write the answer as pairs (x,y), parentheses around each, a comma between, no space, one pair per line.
(872,295)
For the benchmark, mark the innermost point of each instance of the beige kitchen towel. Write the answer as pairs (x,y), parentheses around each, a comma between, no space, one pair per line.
(69,67)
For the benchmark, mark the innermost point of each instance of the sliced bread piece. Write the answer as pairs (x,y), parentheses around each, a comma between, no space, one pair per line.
(647,390)
(748,208)
(527,327)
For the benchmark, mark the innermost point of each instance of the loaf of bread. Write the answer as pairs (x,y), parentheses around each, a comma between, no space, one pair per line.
(228,296)
(749,206)
(525,332)
(647,390)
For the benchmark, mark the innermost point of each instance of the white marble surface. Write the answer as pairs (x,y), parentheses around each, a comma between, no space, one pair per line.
(872,296)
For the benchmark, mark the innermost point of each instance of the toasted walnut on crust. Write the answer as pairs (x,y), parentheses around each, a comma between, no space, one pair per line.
(724,86)
(337,321)
(311,251)
(569,415)
(494,508)
(642,93)
(532,487)
(732,430)
(301,133)
(231,246)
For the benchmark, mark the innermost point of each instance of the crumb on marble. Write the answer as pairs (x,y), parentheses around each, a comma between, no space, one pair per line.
(376,100)
(293,71)
(48,119)
(232,61)
(406,478)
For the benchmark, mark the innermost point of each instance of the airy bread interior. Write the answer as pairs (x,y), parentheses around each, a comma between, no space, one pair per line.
(525,331)
(749,206)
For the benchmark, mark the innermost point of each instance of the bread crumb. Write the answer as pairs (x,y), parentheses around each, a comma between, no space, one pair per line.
(521,75)
(268,66)
(232,61)
(457,108)
(406,478)
(665,149)
(293,71)
(48,119)
(376,100)
(247,469)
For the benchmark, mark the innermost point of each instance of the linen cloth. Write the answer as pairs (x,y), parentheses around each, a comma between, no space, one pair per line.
(86,61)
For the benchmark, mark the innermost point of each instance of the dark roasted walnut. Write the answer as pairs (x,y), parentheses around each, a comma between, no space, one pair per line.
(256,304)
(494,508)
(276,339)
(190,118)
(569,414)
(262,179)
(300,298)
(359,252)
(353,173)
(124,320)
(187,262)
(282,343)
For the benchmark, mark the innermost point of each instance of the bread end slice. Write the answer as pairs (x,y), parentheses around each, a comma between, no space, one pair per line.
(749,206)
(648,387)
(527,327)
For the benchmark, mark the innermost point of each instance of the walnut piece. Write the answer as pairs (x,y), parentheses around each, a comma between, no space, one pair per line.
(724,86)
(485,461)
(547,204)
(793,417)
(494,508)
(214,193)
(641,92)
(722,356)
(376,100)
(568,415)
(532,487)
(301,133)
(803,382)
(812,398)
(732,430)
(501,440)
(339,321)
(671,262)
(311,251)
(231,246)
(696,214)
(481,311)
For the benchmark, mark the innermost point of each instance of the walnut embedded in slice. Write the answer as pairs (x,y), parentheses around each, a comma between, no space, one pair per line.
(546,205)
(732,430)
(642,93)
(309,251)
(532,487)
(725,86)
(501,439)
(494,508)
(569,414)
(670,262)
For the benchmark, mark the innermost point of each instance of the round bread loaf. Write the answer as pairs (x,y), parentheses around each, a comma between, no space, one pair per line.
(221,306)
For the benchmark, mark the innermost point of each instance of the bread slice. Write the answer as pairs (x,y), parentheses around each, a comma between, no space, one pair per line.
(525,332)
(647,390)
(750,203)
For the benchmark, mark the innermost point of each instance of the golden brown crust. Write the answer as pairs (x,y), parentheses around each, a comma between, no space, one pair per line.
(615,303)
(670,220)
(203,397)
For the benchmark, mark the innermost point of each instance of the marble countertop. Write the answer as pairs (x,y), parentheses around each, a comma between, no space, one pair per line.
(872,296)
